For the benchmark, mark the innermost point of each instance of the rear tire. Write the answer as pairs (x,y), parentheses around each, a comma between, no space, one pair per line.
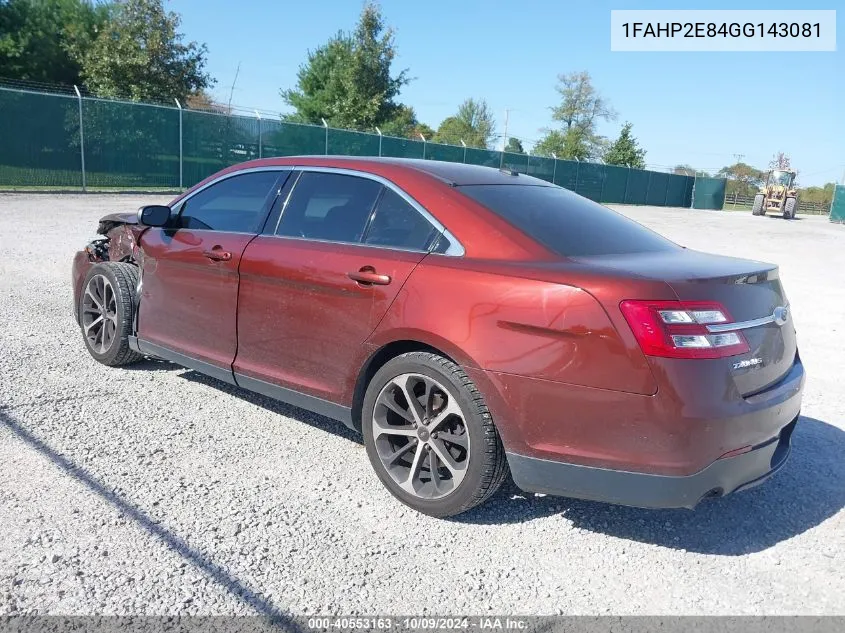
(757,207)
(107,311)
(789,208)
(437,452)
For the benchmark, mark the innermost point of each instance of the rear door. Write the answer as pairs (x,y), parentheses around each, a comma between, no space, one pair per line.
(189,286)
(315,287)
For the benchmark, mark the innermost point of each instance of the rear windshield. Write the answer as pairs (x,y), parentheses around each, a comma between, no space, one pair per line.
(566,223)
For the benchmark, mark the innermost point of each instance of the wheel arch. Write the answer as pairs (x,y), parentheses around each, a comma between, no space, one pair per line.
(387,350)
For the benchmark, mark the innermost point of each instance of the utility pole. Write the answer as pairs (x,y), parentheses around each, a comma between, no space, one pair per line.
(232,89)
(739,157)
(505,139)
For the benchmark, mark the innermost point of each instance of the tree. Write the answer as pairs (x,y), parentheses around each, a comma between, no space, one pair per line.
(348,80)
(405,124)
(564,144)
(473,123)
(822,195)
(579,112)
(743,179)
(140,55)
(204,101)
(625,150)
(422,128)
(42,40)
(514,146)
(779,161)
(743,173)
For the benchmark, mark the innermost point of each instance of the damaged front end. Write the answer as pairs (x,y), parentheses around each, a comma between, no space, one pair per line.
(117,241)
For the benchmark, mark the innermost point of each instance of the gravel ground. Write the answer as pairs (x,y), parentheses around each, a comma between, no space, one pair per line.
(155,490)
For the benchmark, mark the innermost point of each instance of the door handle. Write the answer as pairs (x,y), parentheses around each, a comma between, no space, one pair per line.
(218,255)
(368,276)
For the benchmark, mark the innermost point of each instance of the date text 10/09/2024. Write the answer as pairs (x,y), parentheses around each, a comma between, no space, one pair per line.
(724,29)
(417,623)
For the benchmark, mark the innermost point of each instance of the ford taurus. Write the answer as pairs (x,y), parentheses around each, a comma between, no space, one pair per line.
(470,322)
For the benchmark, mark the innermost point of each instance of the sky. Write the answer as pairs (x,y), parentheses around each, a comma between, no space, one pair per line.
(704,109)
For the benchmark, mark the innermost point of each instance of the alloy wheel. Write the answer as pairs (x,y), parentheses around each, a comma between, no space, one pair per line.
(99,314)
(421,436)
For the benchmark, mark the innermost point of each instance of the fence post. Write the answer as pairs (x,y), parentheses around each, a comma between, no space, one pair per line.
(627,180)
(258,116)
(465,150)
(528,163)
(554,168)
(577,173)
(81,137)
(326,125)
(692,193)
(603,180)
(179,105)
(423,139)
(379,141)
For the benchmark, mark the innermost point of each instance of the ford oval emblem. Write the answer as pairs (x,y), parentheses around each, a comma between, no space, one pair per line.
(781,315)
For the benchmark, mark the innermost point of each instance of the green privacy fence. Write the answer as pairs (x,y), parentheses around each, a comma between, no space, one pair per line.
(837,206)
(709,193)
(65,141)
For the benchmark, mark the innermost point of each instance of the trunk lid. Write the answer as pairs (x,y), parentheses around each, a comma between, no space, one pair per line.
(749,290)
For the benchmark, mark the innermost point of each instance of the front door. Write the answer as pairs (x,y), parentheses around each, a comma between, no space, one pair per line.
(189,288)
(315,288)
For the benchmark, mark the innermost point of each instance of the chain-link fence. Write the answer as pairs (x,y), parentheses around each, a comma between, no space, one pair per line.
(65,141)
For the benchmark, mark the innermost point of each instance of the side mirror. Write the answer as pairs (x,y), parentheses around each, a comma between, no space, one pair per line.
(154,215)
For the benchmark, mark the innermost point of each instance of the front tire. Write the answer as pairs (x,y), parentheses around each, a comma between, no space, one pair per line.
(430,437)
(789,208)
(757,207)
(106,312)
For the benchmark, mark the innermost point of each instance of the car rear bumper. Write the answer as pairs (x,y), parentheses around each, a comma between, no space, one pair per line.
(630,450)
(647,490)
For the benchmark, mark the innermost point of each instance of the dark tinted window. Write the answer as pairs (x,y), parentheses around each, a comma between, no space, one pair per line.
(235,204)
(565,222)
(332,207)
(442,245)
(397,224)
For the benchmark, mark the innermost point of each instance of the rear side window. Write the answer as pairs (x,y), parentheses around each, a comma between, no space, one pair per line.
(333,207)
(566,223)
(236,204)
(397,224)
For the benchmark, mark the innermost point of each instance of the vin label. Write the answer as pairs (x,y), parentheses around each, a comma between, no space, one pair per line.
(723,30)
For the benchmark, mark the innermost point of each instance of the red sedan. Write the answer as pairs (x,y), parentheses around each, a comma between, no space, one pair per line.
(469,321)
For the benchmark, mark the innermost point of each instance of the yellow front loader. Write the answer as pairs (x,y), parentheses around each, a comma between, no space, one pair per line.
(778,195)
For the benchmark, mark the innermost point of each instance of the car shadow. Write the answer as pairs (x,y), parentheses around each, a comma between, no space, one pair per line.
(275,406)
(152,364)
(807,491)
(273,617)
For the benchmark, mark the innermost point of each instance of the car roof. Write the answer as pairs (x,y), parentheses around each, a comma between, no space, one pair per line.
(455,174)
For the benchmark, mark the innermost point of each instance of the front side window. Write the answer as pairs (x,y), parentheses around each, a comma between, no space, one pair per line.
(236,204)
(327,206)
(397,224)
(565,222)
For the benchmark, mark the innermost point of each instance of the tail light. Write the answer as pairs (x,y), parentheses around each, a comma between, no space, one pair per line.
(675,329)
